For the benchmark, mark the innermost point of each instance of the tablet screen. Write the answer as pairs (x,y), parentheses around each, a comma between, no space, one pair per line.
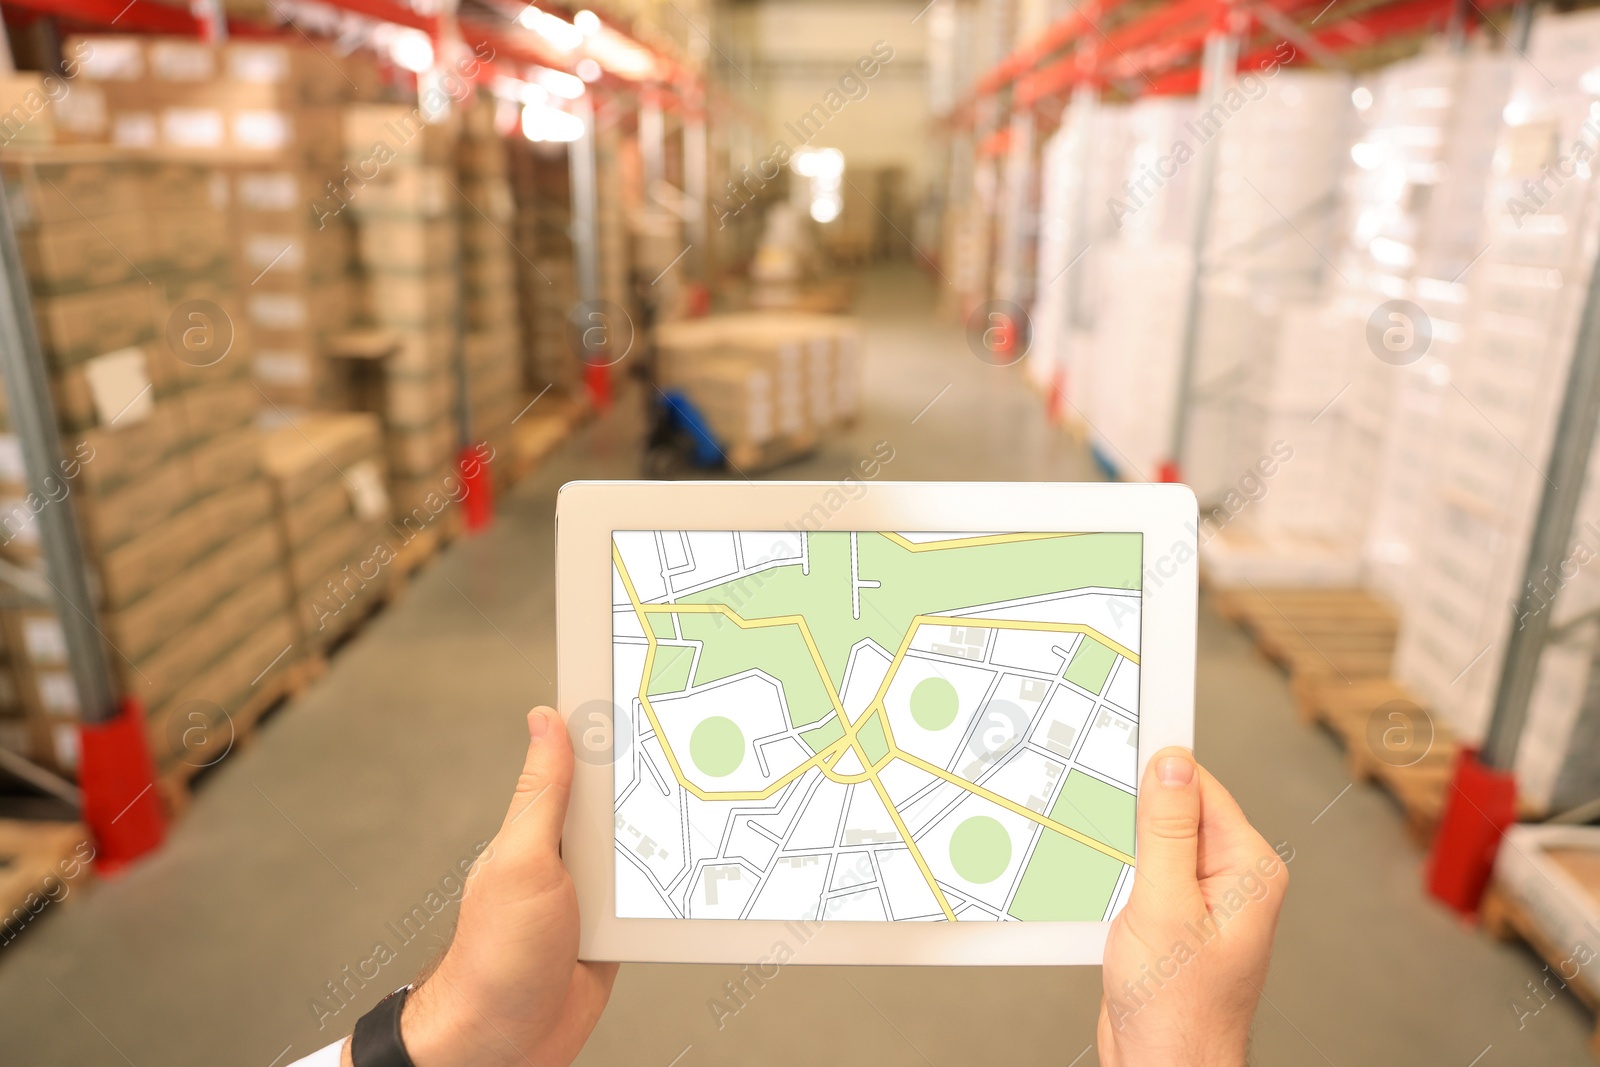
(875,726)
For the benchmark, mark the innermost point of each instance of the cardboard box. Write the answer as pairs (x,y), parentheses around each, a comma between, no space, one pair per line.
(300,457)
(291,70)
(57,186)
(110,519)
(227,683)
(399,133)
(420,449)
(414,300)
(75,326)
(214,409)
(132,569)
(143,624)
(187,653)
(82,253)
(397,244)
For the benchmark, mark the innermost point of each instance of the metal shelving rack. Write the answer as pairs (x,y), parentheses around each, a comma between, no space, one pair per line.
(107,799)
(1197,47)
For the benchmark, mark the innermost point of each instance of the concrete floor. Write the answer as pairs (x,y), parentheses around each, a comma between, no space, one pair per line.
(357,799)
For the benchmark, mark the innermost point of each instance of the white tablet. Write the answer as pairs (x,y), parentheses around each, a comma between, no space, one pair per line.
(859,722)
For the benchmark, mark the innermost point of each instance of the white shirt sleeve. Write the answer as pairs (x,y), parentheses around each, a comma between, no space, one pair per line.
(326,1057)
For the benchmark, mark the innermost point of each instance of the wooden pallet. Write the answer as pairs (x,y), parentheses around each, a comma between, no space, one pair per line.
(177,781)
(1389,739)
(749,459)
(538,431)
(1344,633)
(36,859)
(1506,920)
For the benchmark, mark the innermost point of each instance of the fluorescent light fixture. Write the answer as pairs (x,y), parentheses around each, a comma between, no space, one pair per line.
(826,208)
(541,122)
(586,21)
(411,49)
(561,34)
(558,83)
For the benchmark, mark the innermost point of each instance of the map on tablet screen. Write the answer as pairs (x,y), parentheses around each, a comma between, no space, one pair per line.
(875,726)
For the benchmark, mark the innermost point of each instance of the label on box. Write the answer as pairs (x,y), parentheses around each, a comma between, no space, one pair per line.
(182,61)
(269,190)
(279,252)
(134,129)
(19,525)
(119,384)
(262,131)
(260,64)
(278,311)
(281,367)
(66,738)
(83,112)
(11,468)
(192,127)
(367,494)
(57,693)
(44,639)
(113,60)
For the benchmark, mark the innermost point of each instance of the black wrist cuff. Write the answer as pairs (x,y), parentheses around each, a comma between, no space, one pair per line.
(376,1041)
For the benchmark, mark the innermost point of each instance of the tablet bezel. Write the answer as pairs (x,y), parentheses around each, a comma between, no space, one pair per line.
(588,512)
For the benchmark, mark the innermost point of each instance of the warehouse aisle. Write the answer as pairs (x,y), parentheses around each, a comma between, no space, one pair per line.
(306,851)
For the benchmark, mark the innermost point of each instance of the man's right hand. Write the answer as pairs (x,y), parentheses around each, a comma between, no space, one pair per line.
(1187,958)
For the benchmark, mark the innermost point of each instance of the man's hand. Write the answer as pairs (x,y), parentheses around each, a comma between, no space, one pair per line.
(510,989)
(1186,959)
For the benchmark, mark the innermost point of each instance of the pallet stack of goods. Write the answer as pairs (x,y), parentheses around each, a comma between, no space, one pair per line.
(1129,392)
(492,349)
(1336,378)
(1453,227)
(1526,296)
(408,248)
(272,111)
(1546,892)
(136,308)
(1279,157)
(546,277)
(331,508)
(768,384)
(1084,166)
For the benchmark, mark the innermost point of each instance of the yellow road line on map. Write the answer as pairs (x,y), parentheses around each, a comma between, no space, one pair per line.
(916,853)
(1025,624)
(1011,805)
(971,542)
(655,723)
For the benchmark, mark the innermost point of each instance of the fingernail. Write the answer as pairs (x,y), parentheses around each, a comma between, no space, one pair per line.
(1175,771)
(538,725)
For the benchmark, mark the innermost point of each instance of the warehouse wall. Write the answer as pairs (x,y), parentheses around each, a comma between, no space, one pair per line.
(803,51)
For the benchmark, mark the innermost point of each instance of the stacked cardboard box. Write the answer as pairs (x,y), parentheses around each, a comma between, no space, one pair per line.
(247,99)
(332,510)
(38,701)
(764,382)
(492,350)
(546,276)
(136,308)
(408,247)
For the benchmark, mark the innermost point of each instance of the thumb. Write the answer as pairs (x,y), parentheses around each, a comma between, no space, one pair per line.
(539,805)
(1168,824)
